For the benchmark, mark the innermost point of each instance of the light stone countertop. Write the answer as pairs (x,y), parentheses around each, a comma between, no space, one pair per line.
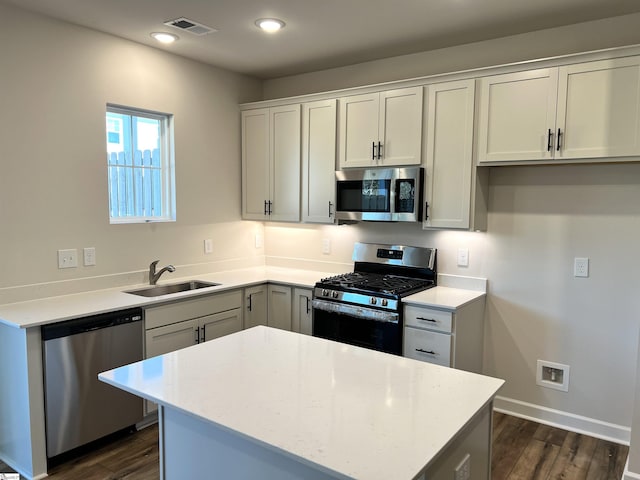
(48,310)
(356,412)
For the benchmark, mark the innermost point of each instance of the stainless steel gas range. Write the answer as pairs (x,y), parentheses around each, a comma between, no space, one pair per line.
(364,307)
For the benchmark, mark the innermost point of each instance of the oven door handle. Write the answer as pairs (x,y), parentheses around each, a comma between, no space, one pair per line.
(356,311)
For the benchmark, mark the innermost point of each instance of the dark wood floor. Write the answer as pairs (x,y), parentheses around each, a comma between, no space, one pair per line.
(522,450)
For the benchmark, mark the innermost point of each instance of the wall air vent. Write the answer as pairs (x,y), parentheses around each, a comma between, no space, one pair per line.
(190,26)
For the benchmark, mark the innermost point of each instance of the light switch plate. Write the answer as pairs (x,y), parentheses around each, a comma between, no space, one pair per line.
(68,258)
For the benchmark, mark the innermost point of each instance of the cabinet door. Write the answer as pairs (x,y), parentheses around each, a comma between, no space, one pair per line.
(599,109)
(400,126)
(449,154)
(318,161)
(516,112)
(255,163)
(220,324)
(279,306)
(302,311)
(285,163)
(255,311)
(358,130)
(169,338)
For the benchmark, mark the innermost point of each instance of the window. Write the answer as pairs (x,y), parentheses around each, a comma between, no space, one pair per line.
(140,166)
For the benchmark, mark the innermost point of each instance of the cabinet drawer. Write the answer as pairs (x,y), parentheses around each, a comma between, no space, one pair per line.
(427,346)
(187,309)
(221,324)
(428,318)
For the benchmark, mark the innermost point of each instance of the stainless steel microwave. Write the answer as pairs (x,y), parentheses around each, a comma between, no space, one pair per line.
(380,194)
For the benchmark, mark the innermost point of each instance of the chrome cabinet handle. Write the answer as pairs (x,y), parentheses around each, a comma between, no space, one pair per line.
(330,212)
(549,143)
(379,150)
(198,335)
(373,150)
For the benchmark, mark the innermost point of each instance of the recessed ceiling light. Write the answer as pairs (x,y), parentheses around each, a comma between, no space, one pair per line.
(270,25)
(163,37)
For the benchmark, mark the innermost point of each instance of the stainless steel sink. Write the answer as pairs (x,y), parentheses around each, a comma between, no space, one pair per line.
(159,290)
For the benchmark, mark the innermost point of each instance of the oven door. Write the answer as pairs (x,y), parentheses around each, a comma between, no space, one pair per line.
(356,325)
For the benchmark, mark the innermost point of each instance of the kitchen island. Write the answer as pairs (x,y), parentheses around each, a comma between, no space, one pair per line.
(270,404)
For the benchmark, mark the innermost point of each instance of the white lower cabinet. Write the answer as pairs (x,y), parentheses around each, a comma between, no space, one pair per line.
(184,323)
(452,338)
(268,304)
(255,306)
(302,311)
(279,307)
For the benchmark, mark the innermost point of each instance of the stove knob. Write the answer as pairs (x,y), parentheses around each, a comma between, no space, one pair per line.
(384,302)
(373,300)
(335,294)
(325,292)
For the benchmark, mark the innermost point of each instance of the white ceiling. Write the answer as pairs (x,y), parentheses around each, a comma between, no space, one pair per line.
(322,33)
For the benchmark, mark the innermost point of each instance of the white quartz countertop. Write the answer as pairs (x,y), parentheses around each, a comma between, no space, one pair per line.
(64,307)
(443,297)
(359,413)
(48,310)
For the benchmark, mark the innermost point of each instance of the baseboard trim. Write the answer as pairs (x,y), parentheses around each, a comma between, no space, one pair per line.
(629,475)
(565,420)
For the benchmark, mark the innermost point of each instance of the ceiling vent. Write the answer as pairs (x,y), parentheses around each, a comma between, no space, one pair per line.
(190,26)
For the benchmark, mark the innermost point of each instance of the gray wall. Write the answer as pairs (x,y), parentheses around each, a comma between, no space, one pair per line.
(56,80)
(583,37)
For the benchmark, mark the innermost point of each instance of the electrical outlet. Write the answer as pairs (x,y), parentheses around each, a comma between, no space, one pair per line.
(552,375)
(580,267)
(463,470)
(208,246)
(89,254)
(326,246)
(463,257)
(68,258)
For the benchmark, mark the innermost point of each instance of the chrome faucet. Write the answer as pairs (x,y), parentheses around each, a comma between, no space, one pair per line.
(153,276)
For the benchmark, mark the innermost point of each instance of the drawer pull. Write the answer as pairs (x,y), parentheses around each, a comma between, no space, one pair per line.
(430,352)
(432,320)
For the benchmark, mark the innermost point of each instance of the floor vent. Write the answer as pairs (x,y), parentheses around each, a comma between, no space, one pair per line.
(190,26)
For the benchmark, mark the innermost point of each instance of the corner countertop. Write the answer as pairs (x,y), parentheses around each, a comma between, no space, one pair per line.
(310,403)
(34,313)
(445,298)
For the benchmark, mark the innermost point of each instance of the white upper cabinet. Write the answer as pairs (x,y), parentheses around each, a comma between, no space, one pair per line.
(271,164)
(255,163)
(517,113)
(318,161)
(582,111)
(450,178)
(381,129)
(599,109)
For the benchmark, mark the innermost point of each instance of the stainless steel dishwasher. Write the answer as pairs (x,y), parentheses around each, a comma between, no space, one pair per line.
(79,408)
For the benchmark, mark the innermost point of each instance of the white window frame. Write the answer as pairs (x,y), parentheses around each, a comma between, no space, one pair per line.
(167,167)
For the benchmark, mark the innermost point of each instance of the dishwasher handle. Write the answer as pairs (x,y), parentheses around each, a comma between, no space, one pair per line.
(93,322)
